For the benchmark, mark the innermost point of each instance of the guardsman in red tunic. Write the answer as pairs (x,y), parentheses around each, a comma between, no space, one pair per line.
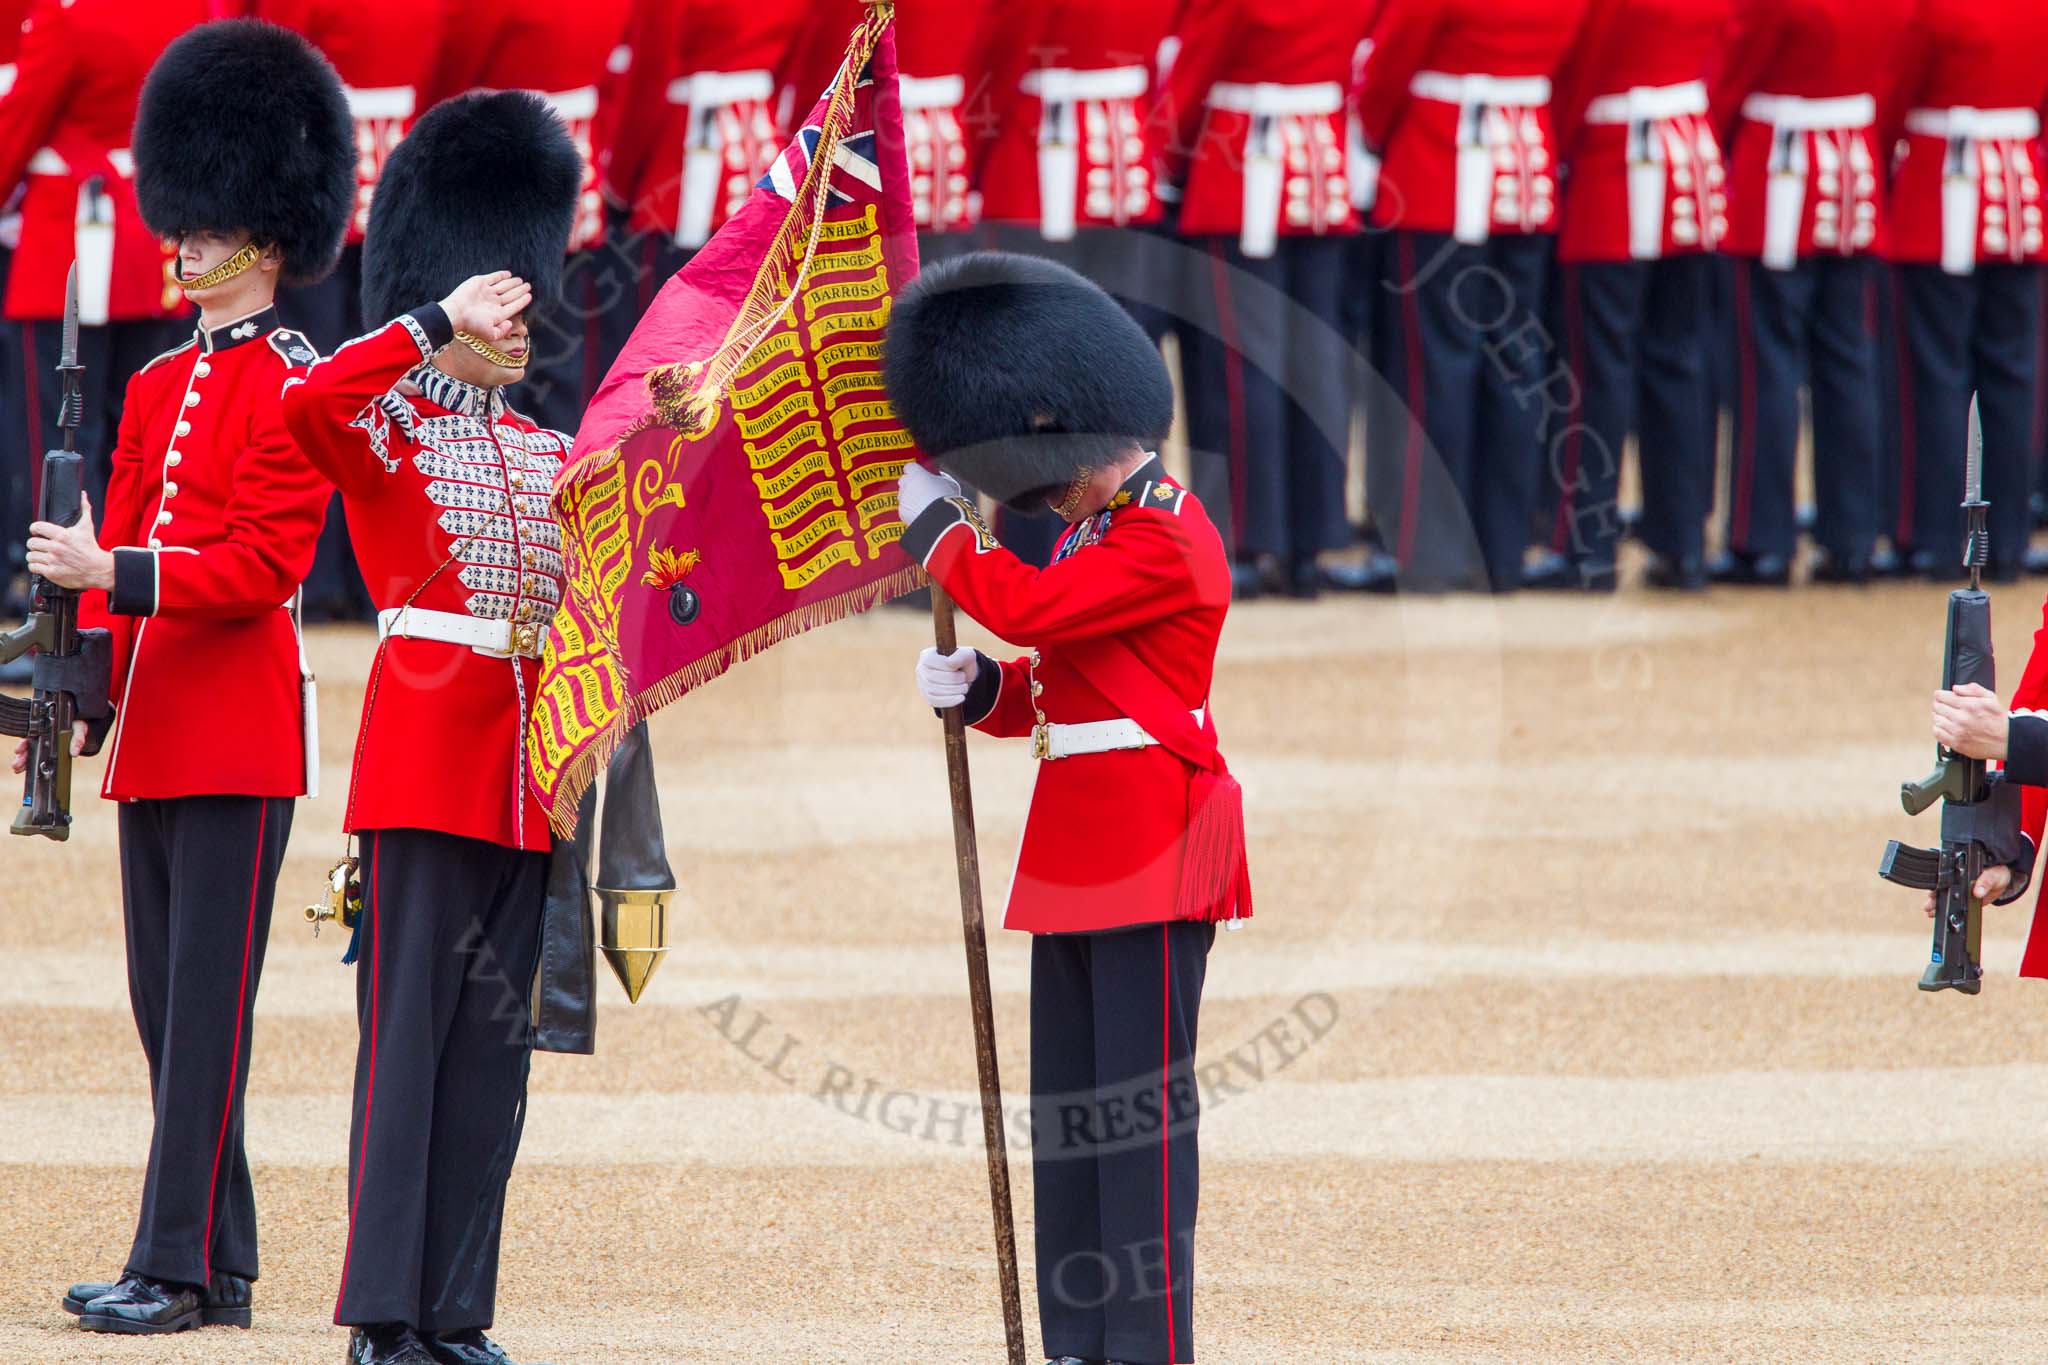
(1256,146)
(947,104)
(1646,203)
(65,119)
(1032,384)
(1795,100)
(1969,240)
(1456,101)
(699,121)
(207,528)
(447,494)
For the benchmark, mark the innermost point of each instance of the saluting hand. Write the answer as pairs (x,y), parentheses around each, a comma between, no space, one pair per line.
(1971,721)
(70,556)
(485,305)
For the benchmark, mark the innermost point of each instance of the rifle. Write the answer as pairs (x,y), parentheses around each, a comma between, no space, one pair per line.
(73,667)
(1979,812)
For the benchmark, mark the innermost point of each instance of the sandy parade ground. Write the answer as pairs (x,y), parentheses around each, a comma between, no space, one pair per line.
(1575,1024)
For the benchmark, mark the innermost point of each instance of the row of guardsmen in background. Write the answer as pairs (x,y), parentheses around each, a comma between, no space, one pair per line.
(1507,234)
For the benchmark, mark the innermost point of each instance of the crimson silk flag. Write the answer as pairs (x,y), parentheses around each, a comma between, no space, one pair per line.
(734,482)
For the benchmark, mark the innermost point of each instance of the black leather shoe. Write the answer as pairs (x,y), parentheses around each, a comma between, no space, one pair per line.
(1756,571)
(1886,562)
(387,1343)
(1374,573)
(144,1307)
(1680,575)
(1853,570)
(1072,1360)
(1936,568)
(464,1348)
(1305,581)
(1245,582)
(228,1299)
(1549,572)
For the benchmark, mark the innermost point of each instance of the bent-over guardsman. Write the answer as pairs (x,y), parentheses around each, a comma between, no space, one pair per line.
(209,525)
(1034,385)
(446,490)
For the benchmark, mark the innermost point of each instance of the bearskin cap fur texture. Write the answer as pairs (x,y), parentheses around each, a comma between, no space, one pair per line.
(242,124)
(1015,374)
(484,181)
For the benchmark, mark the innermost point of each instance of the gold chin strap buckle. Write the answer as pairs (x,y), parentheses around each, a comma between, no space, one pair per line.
(225,271)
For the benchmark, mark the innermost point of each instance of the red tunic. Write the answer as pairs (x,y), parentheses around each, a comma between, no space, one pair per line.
(1071,124)
(1457,98)
(64,119)
(1974,80)
(382,75)
(1103,841)
(212,515)
(1253,118)
(697,125)
(1646,177)
(563,51)
(446,491)
(1795,102)
(940,45)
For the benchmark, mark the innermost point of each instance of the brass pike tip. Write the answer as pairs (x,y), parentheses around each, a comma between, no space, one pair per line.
(633,934)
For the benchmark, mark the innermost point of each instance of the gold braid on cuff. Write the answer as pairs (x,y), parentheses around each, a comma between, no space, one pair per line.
(490,352)
(225,271)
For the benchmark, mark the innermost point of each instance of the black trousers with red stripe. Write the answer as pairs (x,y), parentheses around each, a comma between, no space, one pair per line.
(1267,369)
(446,947)
(1115,1168)
(1466,355)
(198,874)
(1813,327)
(1963,336)
(1630,333)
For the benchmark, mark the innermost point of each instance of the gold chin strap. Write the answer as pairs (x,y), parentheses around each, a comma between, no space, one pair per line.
(491,353)
(225,271)
(1076,491)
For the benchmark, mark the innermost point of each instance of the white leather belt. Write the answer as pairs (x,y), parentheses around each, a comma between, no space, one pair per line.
(573,106)
(497,639)
(1093,737)
(46,161)
(1648,103)
(1522,92)
(7,72)
(1059,83)
(1844,113)
(931,92)
(381,102)
(715,89)
(1980,125)
(1323,97)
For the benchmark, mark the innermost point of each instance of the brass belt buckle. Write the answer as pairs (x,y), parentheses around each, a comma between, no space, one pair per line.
(1041,741)
(526,640)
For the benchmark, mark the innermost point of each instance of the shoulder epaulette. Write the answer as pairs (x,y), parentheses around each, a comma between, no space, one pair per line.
(175,350)
(293,347)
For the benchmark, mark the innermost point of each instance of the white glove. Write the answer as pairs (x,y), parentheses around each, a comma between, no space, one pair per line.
(943,679)
(920,488)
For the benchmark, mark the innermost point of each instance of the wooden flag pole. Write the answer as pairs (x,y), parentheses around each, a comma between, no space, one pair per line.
(967,861)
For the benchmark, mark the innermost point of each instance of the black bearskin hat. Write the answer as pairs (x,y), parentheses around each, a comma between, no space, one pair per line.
(484,181)
(242,124)
(1016,374)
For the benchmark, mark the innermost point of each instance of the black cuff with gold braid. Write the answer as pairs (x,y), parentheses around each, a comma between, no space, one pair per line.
(134,591)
